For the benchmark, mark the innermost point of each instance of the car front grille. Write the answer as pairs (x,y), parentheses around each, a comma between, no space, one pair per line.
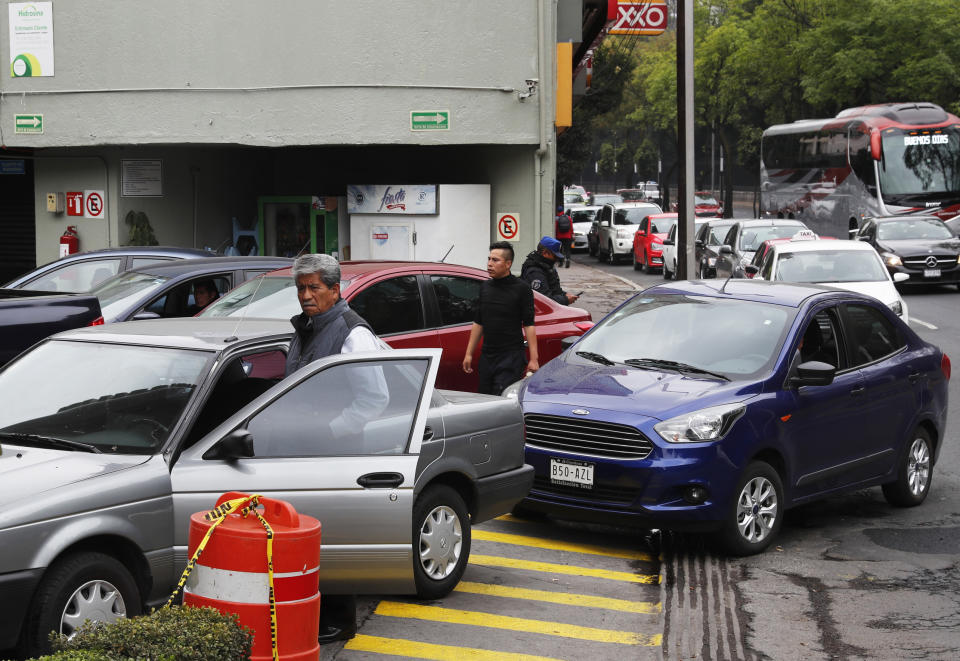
(579,436)
(920,262)
(594,493)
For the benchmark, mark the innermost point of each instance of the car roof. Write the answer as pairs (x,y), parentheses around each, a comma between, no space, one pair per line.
(884,219)
(665,214)
(211,334)
(350,270)
(814,245)
(588,207)
(769,222)
(117,251)
(632,205)
(212,265)
(761,291)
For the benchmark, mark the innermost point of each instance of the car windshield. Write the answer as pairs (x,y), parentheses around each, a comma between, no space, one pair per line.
(267,297)
(572,198)
(662,225)
(632,215)
(62,390)
(744,337)
(605,198)
(831,266)
(717,233)
(752,237)
(913,228)
(583,215)
(121,291)
(629,195)
(705,199)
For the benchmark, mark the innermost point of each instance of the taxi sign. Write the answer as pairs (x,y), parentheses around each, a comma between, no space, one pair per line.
(804,235)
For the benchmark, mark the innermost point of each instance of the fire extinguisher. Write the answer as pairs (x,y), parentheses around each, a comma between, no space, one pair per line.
(69,241)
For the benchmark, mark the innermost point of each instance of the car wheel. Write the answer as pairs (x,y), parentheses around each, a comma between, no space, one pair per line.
(592,250)
(913,473)
(636,264)
(753,518)
(611,256)
(667,273)
(441,534)
(84,586)
(704,274)
(645,264)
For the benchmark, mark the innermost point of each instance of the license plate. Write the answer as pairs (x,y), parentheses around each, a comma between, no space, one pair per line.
(570,471)
(931,273)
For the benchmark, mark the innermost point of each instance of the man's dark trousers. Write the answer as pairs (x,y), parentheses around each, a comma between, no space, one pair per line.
(496,371)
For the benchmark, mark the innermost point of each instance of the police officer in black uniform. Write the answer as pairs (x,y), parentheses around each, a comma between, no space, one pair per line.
(539,270)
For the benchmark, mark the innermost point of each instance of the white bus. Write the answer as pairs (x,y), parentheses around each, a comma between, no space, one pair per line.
(881,160)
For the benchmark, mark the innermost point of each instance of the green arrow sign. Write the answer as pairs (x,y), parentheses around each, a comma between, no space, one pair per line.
(28,123)
(429,120)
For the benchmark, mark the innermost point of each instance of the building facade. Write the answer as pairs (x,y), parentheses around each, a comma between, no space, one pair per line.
(249,124)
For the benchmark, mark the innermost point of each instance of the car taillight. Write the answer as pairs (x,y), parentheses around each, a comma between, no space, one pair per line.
(584,326)
(945,366)
(96,322)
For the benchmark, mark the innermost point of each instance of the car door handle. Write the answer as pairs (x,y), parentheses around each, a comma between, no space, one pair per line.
(856,392)
(913,378)
(380,480)
(428,433)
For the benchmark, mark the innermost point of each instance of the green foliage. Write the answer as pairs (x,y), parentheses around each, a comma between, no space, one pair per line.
(170,634)
(141,232)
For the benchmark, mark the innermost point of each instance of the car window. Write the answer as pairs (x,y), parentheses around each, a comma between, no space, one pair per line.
(632,216)
(731,238)
(715,234)
(871,335)
(583,215)
(662,225)
(137,262)
(76,277)
(456,298)
(766,271)
(178,301)
(913,228)
(368,407)
(391,306)
(820,340)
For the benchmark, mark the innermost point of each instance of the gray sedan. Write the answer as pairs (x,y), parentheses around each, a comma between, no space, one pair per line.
(113,436)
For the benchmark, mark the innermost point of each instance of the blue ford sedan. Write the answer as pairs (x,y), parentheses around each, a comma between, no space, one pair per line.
(706,407)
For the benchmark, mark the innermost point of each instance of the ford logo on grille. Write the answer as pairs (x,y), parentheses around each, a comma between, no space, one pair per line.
(931,262)
(580,412)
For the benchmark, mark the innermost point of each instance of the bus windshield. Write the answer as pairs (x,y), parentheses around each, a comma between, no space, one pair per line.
(920,163)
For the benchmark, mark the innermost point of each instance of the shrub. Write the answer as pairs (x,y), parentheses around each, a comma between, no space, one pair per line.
(179,633)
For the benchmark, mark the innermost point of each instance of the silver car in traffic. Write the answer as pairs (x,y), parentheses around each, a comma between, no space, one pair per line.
(111,437)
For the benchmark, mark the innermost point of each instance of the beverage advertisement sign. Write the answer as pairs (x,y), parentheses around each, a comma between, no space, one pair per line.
(393,198)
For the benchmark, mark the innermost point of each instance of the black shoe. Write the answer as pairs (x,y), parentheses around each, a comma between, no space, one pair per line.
(331,634)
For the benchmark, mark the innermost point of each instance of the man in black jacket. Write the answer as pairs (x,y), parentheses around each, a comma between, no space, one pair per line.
(539,270)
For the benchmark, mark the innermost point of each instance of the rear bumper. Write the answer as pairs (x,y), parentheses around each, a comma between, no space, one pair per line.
(497,494)
(17,589)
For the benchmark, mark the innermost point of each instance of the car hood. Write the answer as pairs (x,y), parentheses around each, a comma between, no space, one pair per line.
(882,290)
(28,472)
(651,393)
(912,246)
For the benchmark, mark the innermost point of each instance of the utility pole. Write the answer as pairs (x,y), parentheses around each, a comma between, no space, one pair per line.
(685,227)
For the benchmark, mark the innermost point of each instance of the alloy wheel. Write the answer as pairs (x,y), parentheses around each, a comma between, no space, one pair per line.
(918,467)
(757,509)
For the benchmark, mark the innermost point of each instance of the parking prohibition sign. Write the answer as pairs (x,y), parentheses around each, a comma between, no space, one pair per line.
(508,226)
(93,205)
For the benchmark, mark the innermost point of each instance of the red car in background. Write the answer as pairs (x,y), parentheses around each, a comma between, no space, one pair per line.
(648,241)
(409,305)
(705,205)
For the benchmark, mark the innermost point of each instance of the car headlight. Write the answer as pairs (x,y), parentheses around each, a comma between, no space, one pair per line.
(710,424)
(891,259)
(897,307)
(656,246)
(513,390)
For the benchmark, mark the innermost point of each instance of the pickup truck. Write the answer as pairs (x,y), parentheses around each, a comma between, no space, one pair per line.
(26,317)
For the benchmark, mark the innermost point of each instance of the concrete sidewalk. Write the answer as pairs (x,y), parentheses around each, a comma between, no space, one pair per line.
(602,291)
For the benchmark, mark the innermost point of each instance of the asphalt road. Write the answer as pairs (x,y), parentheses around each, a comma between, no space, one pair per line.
(851,577)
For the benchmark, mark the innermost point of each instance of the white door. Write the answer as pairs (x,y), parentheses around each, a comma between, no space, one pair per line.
(392,241)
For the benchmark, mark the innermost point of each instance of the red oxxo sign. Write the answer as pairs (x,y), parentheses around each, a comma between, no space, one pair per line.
(637,18)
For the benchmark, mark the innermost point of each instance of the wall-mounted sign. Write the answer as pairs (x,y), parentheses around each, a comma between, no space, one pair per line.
(13,166)
(142,178)
(638,18)
(29,123)
(75,203)
(31,39)
(407,199)
(94,205)
(429,120)
(508,226)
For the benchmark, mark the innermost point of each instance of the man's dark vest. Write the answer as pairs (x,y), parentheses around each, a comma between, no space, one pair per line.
(321,335)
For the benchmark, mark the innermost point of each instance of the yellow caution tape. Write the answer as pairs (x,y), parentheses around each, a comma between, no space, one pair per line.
(242,506)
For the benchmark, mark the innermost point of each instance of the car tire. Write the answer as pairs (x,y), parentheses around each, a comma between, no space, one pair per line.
(636,264)
(667,273)
(704,275)
(441,541)
(755,513)
(645,264)
(611,256)
(72,590)
(592,250)
(914,472)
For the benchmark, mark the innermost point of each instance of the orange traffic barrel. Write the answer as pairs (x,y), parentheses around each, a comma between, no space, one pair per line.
(231,575)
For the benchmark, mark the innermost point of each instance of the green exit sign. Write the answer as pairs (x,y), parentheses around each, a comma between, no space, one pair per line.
(429,120)
(28,123)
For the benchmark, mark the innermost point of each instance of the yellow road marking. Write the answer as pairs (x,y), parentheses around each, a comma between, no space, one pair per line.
(413,649)
(474,618)
(565,598)
(538,542)
(570,570)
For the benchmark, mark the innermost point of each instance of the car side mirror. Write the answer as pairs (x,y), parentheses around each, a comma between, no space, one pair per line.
(236,444)
(145,315)
(668,242)
(812,373)
(751,270)
(699,243)
(901,277)
(726,250)
(641,233)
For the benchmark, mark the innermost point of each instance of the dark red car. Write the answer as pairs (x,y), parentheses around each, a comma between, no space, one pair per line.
(408,304)
(648,241)
(705,205)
